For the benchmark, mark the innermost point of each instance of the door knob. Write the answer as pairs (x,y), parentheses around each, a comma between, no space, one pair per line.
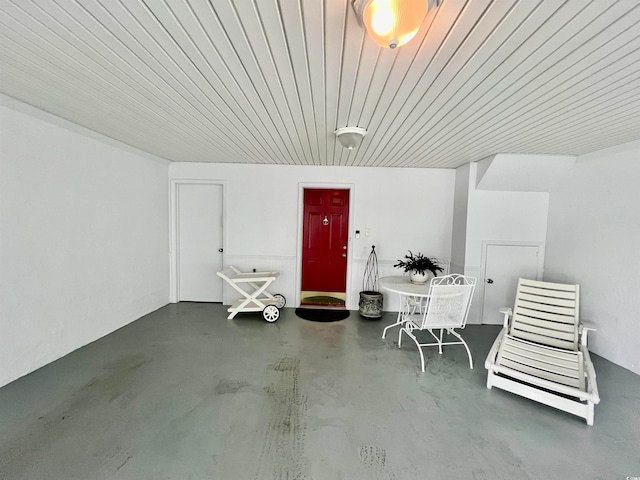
(489,280)
(220,250)
(344,255)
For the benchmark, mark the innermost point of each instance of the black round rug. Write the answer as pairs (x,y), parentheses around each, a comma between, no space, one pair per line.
(322,314)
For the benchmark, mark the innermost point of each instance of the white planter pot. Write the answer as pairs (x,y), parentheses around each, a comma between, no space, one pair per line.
(419,278)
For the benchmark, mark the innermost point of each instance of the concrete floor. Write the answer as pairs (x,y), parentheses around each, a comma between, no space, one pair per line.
(184,393)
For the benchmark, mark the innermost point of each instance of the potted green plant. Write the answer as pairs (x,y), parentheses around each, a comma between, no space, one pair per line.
(418,267)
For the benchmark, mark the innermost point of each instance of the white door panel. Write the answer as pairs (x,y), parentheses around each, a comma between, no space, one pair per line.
(199,242)
(504,264)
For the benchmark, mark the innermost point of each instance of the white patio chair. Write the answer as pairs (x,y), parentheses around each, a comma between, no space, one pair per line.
(541,353)
(446,308)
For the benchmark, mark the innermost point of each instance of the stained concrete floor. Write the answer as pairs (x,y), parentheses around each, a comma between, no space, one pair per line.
(184,393)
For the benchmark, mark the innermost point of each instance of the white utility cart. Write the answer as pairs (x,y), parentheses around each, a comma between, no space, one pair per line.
(259,300)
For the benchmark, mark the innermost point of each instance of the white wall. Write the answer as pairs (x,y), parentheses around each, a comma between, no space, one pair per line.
(506,216)
(83,239)
(403,209)
(460,211)
(517,172)
(498,216)
(593,239)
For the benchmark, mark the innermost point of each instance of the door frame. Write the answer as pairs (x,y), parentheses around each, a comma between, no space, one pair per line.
(324,186)
(174,221)
(505,243)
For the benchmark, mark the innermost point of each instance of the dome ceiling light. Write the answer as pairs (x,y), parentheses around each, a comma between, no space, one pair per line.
(350,137)
(392,23)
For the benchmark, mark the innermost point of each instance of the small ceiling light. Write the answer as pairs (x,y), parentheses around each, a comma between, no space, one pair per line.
(350,137)
(392,23)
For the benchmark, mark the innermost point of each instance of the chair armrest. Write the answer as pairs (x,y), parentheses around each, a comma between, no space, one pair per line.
(592,388)
(507,315)
(583,330)
(491,356)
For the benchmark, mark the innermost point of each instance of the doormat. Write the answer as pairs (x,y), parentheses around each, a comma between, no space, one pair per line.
(323,301)
(322,314)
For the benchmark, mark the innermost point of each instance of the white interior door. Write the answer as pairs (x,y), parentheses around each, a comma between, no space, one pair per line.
(199,242)
(504,264)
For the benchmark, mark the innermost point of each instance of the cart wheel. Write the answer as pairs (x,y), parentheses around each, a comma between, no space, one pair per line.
(280,300)
(271,313)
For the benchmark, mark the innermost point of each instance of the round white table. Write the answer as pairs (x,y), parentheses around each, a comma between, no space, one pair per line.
(410,294)
(402,285)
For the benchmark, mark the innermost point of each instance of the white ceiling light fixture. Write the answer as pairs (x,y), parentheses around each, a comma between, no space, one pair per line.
(392,23)
(350,137)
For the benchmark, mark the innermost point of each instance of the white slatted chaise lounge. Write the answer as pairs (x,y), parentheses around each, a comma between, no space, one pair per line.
(541,353)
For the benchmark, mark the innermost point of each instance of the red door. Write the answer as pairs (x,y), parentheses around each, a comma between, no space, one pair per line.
(325,234)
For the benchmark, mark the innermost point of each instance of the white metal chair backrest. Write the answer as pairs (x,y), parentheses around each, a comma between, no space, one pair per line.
(546,313)
(449,301)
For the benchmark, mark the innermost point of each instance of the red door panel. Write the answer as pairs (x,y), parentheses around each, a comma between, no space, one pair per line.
(337,233)
(335,281)
(325,234)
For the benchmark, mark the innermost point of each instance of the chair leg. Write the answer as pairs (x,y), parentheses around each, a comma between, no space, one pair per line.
(412,336)
(420,352)
(453,332)
(489,379)
(384,332)
(400,337)
(440,342)
(398,322)
(590,413)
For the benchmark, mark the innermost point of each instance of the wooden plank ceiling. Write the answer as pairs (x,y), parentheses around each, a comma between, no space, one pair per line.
(268,81)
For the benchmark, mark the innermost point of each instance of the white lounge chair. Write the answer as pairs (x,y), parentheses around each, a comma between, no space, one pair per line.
(541,353)
(447,308)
